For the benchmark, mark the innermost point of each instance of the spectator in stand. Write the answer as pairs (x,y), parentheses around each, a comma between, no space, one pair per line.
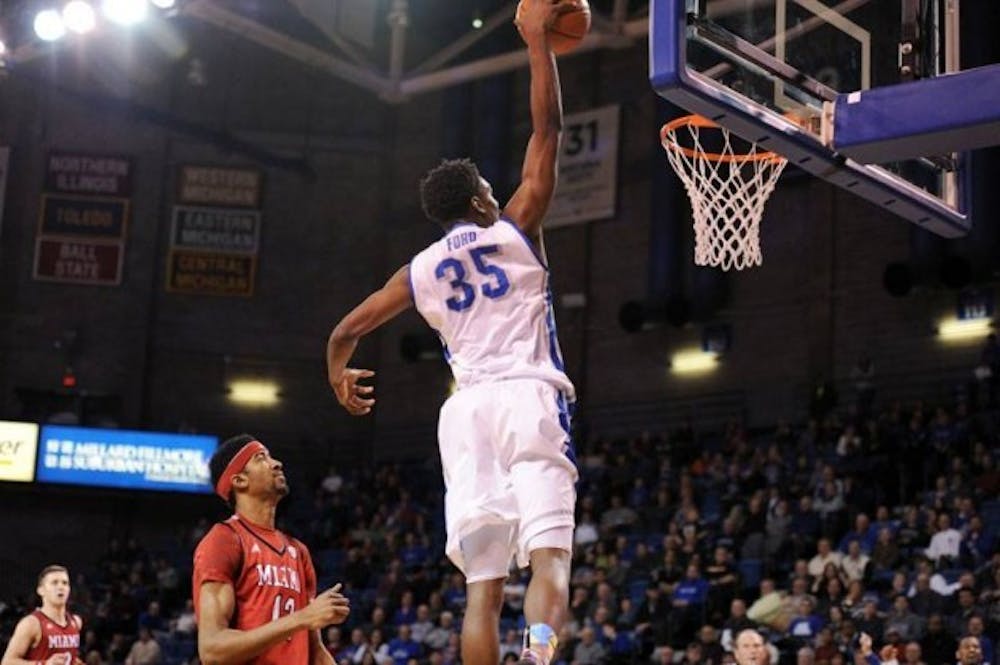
(924,600)
(586,530)
(805,528)
(145,650)
(902,621)
(937,645)
(945,546)
(974,628)
(854,566)
(885,555)
(439,638)
(863,534)
(403,647)
(825,555)
(969,651)
(588,650)
(693,655)
(805,625)
(423,625)
(735,624)
(688,602)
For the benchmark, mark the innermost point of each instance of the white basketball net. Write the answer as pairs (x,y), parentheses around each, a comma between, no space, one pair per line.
(727,191)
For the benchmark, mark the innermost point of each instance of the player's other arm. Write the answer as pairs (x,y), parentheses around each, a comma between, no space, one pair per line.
(26,635)
(528,205)
(318,654)
(377,309)
(218,644)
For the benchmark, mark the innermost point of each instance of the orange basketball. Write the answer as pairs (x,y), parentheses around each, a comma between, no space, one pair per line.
(569,29)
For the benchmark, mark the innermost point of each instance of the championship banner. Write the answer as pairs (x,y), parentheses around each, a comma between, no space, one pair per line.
(81,261)
(83,216)
(215,229)
(125,459)
(4,162)
(18,445)
(588,169)
(210,273)
(95,175)
(217,186)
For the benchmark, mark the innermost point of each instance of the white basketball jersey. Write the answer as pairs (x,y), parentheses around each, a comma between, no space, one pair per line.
(486,293)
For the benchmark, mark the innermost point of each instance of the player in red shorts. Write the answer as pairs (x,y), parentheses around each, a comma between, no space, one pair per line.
(50,634)
(255,587)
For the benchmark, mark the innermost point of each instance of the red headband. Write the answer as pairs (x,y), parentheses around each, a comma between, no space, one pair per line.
(240,459)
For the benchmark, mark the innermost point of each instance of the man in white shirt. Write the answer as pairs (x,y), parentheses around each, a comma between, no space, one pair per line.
(855,562)
(946,542)
(824,554)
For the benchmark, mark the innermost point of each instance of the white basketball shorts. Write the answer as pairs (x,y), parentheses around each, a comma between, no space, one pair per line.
(508,460)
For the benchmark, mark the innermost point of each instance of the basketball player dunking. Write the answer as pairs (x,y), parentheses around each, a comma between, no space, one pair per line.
(50,634)
(504,435)
(254,587)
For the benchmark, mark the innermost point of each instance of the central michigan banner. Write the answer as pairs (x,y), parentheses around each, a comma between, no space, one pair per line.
(125,459)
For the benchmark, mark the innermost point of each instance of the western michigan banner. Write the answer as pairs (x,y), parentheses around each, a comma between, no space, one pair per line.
(18,449)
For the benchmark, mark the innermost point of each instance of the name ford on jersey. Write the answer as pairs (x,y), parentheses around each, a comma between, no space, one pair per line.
(461,240)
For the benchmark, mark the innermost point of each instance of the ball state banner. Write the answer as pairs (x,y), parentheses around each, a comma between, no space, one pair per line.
(18,445)
(125,459)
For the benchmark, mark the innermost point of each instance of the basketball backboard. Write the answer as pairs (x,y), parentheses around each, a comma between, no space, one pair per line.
(825,83)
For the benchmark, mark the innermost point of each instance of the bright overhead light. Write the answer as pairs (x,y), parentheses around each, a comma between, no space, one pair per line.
(125,12)
(477,23)
(49,25)
(964,330)
(3,47)
(78,16)
(693,361)
(164,4)
(253,393)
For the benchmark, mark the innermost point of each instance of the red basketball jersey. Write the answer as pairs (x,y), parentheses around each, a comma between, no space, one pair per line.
(272,576)
(55,639)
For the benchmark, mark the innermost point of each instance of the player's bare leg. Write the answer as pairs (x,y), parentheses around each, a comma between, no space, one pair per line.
(481,626)
(545,604)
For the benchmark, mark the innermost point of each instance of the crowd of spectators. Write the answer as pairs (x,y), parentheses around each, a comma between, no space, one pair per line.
(880,523)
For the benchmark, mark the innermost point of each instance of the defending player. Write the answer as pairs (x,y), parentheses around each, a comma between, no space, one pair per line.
(255,587)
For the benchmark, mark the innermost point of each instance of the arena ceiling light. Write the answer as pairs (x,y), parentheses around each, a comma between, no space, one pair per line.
(247,392)
(693,361)
(49,25)
(954,330)
(164,4)
(79,17)
(125,12)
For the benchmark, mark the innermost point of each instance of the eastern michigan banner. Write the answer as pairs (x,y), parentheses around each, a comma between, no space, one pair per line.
(588,169)
(18,445)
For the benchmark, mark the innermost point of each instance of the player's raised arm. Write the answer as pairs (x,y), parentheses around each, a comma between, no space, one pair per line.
(377,309)
(528,205)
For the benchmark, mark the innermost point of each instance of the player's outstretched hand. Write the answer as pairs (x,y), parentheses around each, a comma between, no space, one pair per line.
(329,607)
(354,397)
